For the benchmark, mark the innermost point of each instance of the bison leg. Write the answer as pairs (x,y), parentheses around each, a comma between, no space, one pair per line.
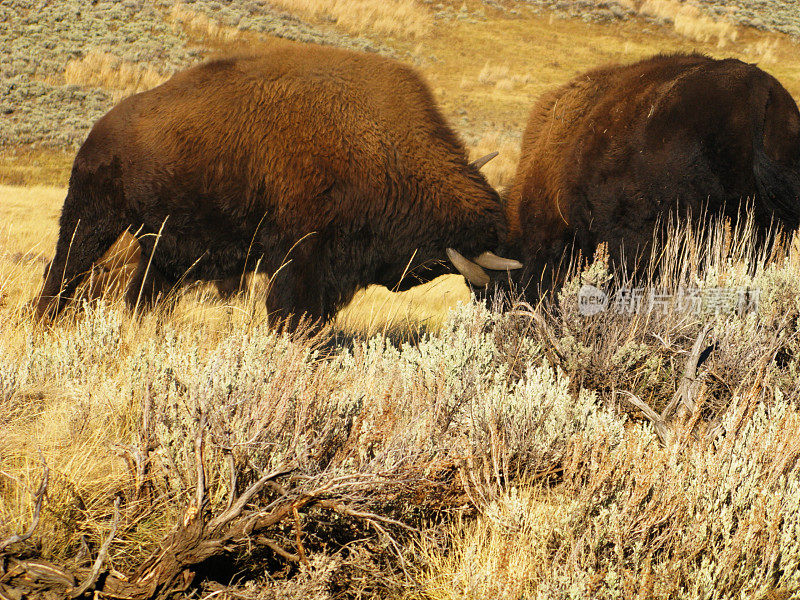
(147,286)
(297,292)
(80,244)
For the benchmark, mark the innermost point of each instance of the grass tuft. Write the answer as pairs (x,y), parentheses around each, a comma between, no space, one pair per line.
(402,18)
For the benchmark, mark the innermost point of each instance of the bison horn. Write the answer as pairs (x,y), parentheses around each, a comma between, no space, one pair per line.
(479,162)
(472,272)
(490,260)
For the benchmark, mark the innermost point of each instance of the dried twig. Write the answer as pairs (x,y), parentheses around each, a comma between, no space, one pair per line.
(238,506)
(39,497)
(199,440)
(91,579)
(298,535)
(232,480)
(661,427)
(272,545)
(397,550)
(683,402)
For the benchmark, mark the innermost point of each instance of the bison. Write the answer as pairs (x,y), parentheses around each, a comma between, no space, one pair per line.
(329,169)
(616,150)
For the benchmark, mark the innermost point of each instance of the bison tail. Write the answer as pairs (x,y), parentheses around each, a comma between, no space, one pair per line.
(777,157)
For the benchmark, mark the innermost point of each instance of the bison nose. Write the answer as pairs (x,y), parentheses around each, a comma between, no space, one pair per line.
(473,271)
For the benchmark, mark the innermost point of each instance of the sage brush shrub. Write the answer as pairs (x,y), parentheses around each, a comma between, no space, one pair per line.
(40,38)
(716,523)
(273,402)
(508,441)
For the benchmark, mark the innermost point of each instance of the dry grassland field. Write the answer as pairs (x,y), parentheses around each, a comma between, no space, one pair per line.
(421,446)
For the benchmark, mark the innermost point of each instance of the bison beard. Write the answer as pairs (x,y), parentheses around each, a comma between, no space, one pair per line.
(329,169)
(610,154)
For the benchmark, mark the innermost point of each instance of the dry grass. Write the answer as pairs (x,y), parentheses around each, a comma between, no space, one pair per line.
(106,71)
(690,22)
(378,310)
(199,26)
(764,51)
(394,18)
(499,77)
(35,167)
(500,170)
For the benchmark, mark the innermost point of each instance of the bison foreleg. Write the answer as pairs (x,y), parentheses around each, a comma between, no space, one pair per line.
(296,292)
(80,244)
(148,285)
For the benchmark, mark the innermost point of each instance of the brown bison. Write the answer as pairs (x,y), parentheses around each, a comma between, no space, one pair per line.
(327,168)
(616,150)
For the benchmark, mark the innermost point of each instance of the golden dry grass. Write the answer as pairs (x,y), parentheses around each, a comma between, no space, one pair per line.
(403,18)
(35,166)
(377,309)
(104,70)
(199,26)
(690,22)
(500,170)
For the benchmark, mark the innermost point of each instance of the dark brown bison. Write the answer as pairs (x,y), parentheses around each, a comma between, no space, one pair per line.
(613,152)
(327,168)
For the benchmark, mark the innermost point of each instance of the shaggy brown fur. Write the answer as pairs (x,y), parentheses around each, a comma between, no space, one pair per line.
(618,148)
(332,168)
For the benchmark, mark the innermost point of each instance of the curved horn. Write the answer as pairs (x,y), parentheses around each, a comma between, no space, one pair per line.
(490,260)
(479,162)
(472,272)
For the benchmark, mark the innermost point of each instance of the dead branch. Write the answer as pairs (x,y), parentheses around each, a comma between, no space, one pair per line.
(91,579)
(395,546)
(238,506)
(298,536)
(37,510)
(137,460)
(272,545)
(275,486)
(170,568)
(661,427)
(231,479)
(683,403)
(37,574)
(199,440)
